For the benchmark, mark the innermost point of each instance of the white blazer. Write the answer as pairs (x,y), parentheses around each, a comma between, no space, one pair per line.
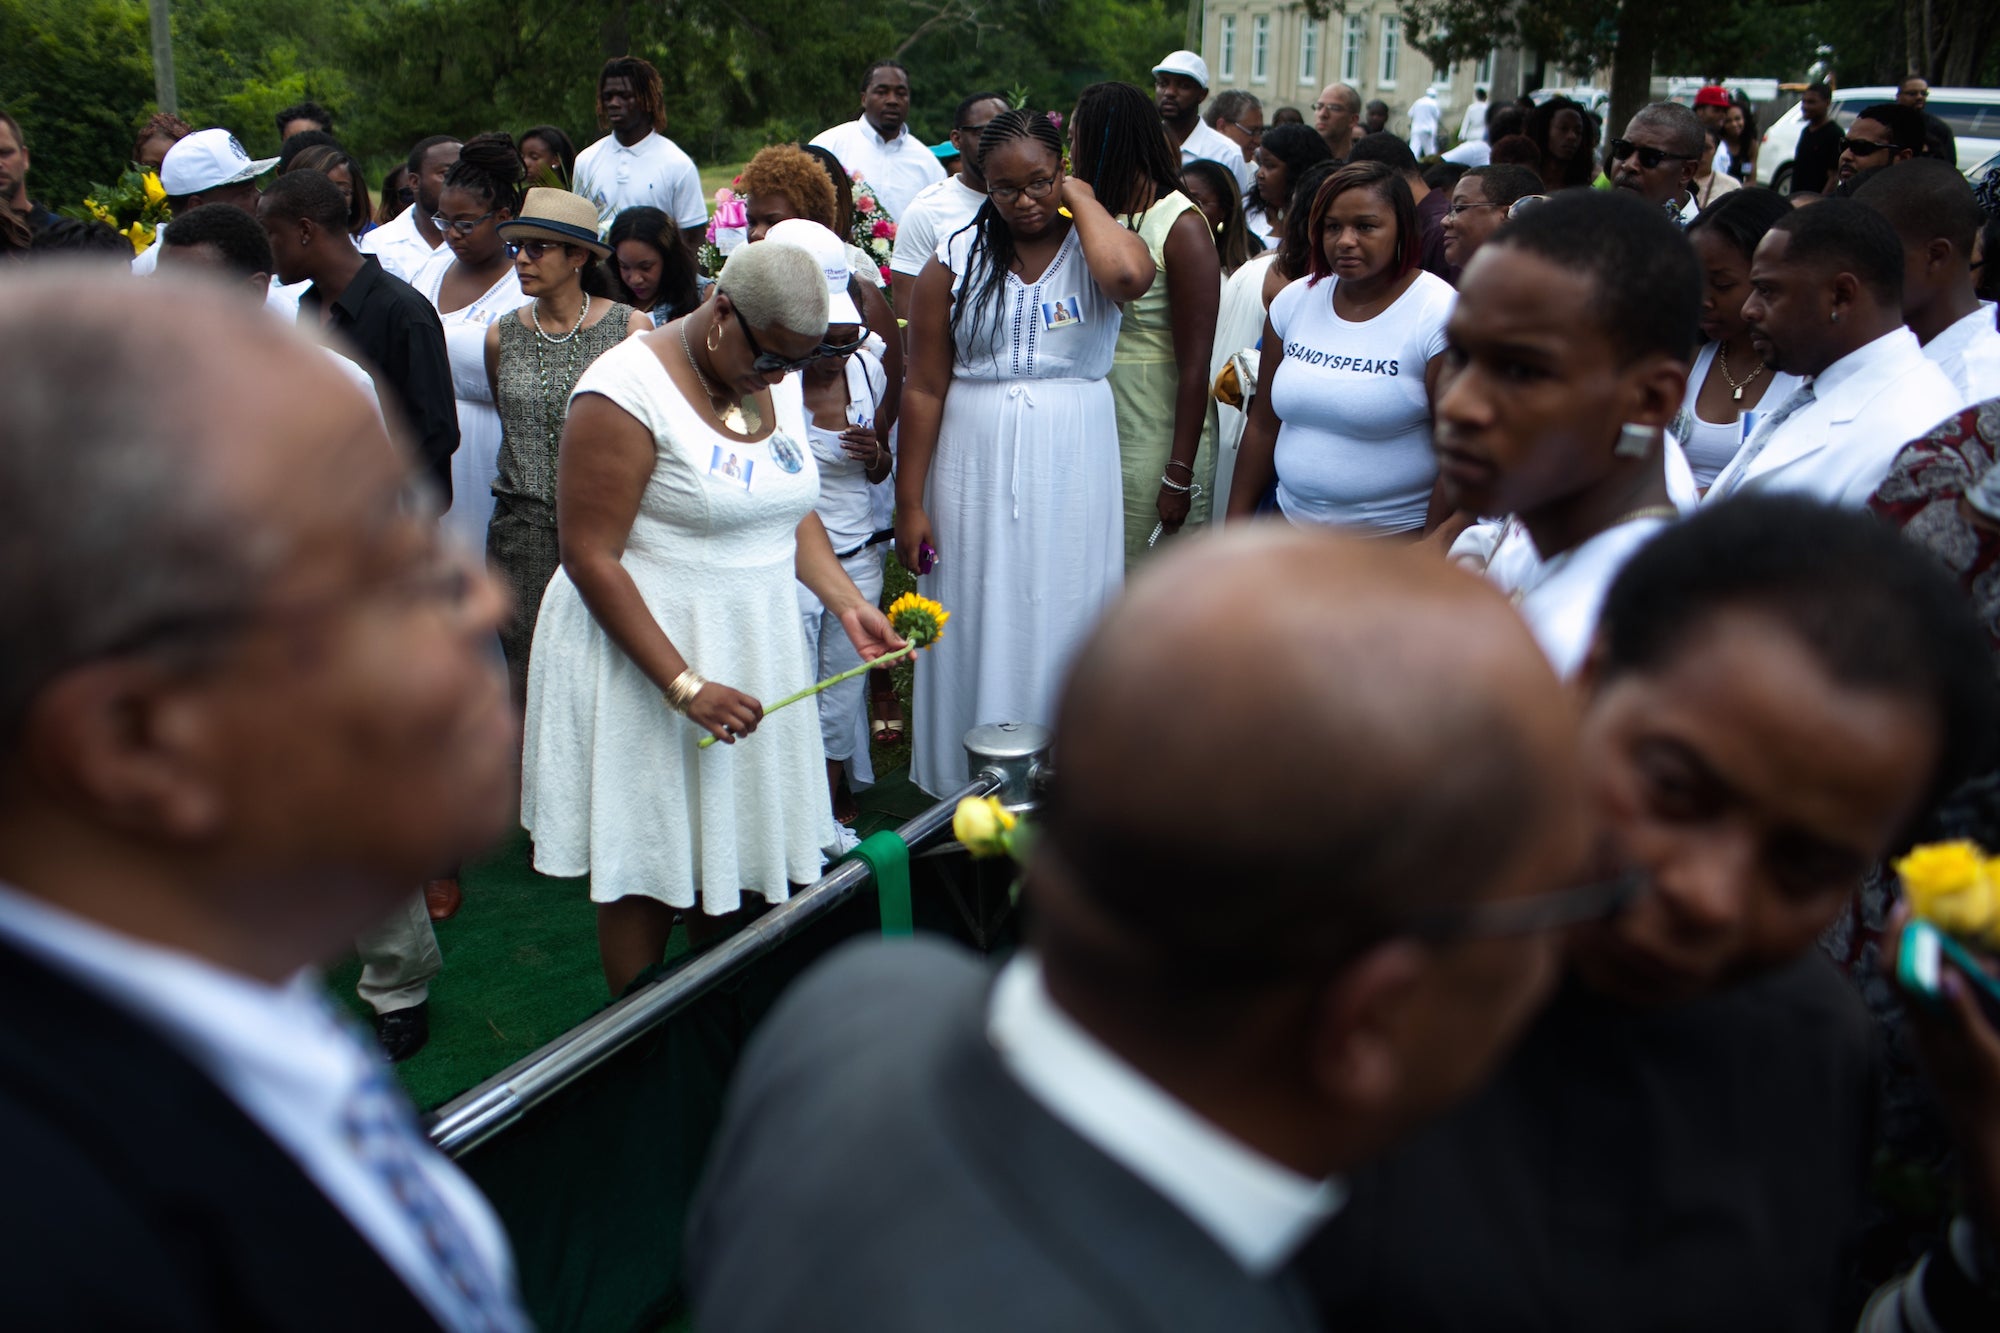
(1866,407)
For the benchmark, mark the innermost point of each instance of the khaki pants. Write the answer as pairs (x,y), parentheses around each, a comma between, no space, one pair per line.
(399,958)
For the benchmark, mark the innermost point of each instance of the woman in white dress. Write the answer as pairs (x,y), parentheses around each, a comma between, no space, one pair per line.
(471,281)
(686,488)
(1008,494)
(1729,382)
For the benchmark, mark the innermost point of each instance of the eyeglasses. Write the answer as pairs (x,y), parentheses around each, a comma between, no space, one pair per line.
(1532,915)
(1648,157)
(534,250)
(1037,189)
(974,130)
(770,363)
(1336,106)
(1254,131)
(1456,209)
(466,228)
(1867,147)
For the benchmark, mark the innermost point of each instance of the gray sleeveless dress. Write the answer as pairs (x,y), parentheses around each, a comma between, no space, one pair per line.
(534,380)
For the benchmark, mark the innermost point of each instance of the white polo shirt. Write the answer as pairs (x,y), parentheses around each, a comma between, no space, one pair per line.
(1205,141)
(399,245)
(652,173)
(937,212)
(896,169)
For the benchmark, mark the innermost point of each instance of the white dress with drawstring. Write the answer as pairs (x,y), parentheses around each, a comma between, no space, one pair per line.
(1025,504)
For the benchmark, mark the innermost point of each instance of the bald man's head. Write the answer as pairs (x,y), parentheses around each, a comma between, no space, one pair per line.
(1280,745)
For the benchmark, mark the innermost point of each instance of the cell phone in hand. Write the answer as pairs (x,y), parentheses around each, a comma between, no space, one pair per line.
(926,558)
(1920,960)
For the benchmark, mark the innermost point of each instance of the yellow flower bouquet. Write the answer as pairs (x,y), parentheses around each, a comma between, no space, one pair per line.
(134,206)
(1956,887)
(919,621)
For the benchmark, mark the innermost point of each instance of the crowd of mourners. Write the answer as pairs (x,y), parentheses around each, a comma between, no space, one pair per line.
(1463,898)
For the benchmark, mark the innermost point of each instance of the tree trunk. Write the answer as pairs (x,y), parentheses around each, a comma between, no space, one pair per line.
(614,30)
(1631,66)
(1194,25)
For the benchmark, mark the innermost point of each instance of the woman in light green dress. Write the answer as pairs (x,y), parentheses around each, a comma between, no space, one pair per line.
(1159,374)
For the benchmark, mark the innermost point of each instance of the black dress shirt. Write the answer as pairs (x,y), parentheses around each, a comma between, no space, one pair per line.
(1817,156)
(1697,1167)
(401,341)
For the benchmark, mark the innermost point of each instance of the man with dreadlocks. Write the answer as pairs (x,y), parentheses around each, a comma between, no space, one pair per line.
(1007,489)
(637,165)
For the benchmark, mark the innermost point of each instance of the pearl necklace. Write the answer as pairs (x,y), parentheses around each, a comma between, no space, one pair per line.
(535,313)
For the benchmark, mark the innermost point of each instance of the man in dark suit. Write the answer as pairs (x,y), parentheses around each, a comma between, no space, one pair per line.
(245,702)
(1290,898)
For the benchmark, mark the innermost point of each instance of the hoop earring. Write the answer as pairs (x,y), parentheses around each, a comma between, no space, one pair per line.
(714,338)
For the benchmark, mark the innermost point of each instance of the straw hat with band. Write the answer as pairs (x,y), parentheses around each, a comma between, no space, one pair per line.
(556,215)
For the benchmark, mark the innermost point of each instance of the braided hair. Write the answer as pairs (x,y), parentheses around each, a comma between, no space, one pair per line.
(646,88)
(489,166)
(1121,149)
(992,253)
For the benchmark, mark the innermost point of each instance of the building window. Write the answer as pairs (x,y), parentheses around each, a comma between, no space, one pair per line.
(1352,39)
(1260,49)
(1227,42)
(1392,50)
(1309,53)
(1482,73)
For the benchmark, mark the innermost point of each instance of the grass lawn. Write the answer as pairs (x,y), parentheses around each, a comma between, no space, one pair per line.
(714,178)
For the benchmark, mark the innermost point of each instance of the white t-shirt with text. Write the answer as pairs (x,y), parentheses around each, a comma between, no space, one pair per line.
(1354,434)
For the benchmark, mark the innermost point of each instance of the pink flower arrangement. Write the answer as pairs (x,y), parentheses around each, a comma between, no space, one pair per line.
(865,204)
(883,230)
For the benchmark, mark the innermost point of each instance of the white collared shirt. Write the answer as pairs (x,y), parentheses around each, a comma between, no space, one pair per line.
(1837,448)
(1205,141)
(938,211)
(399,245)
(652,173)
(1257,1210)
(280,1055)
(1969,355)
(896,169)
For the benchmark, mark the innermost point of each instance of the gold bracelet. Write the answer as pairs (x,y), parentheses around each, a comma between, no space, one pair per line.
(682,689)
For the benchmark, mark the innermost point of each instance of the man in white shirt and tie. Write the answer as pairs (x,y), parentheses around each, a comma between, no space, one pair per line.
(1932,209)
(896,164)
(239,717)
(1180,85)
(637,165)
(1826,303)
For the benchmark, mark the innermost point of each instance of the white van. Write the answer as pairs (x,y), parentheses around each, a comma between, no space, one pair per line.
(1972,113)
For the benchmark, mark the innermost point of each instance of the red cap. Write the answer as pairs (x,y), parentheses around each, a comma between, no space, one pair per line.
(1711,95)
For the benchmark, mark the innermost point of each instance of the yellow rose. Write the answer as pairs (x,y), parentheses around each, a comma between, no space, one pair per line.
(982,824)
(1951,885)
(140,235)
(156,193)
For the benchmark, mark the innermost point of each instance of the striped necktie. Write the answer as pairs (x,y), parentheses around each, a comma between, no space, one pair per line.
(1801,397)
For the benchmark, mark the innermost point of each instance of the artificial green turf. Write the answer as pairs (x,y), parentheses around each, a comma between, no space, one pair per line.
(520,959)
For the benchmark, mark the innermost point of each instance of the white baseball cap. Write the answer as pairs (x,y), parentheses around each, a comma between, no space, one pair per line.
(1185,63)
(207,159)
(831,254)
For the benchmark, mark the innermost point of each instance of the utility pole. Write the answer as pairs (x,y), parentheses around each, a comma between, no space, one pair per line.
(163,57)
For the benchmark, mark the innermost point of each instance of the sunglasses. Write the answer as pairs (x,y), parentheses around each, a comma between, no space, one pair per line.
(770,363)
(1868,147)
(840,351)
(534,250)
(1648,157)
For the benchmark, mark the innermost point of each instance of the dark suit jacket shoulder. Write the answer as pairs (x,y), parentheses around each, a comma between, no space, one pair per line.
(139,1196)
(879,1170)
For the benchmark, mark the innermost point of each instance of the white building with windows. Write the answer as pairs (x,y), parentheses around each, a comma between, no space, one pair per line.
(1274,49)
